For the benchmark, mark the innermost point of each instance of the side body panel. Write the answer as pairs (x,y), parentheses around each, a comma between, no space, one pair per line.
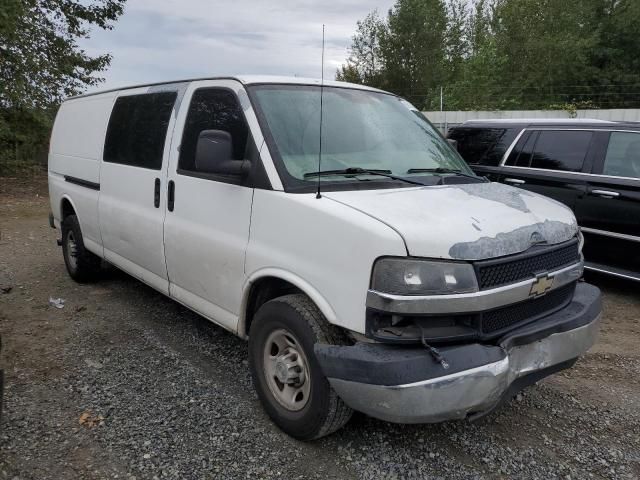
(206,234)
(328,247)
(76,148)
(563,186)
(131,225)
(609,215)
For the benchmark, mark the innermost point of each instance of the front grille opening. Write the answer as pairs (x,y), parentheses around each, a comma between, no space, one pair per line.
(516,268)
(501,319)
(448,329)
(409,329)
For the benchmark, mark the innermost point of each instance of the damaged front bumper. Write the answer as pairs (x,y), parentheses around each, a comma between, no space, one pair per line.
(405,385)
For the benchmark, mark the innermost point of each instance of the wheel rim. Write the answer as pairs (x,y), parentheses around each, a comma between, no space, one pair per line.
(72,250)
(286,370)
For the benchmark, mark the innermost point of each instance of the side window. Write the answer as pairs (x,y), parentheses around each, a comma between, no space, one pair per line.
(212,109)
(521,154)
(138,128)
(623,155)
(561,150)
(479,146)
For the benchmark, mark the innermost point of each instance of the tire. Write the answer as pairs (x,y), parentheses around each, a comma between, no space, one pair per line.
(82,265)
(316,410)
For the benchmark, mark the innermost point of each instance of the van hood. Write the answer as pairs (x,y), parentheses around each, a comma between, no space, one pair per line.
(465,221)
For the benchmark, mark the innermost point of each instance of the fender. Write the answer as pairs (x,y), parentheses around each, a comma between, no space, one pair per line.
(65,196)
(91,245)
(308,289)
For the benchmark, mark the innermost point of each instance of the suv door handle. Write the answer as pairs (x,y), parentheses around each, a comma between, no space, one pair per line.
(515,181)
(156,193)
(171,195)
(605,193)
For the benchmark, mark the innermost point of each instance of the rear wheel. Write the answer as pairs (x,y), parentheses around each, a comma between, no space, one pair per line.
(82,265)
(286,374)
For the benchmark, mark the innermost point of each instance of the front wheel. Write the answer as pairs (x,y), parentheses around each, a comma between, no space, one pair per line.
(286,374)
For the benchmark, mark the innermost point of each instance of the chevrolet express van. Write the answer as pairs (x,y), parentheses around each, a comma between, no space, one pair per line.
(334,228)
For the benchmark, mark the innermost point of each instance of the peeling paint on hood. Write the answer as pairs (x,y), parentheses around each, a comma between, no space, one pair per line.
(467,222)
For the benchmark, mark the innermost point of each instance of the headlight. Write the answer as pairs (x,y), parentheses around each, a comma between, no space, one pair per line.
(405,276)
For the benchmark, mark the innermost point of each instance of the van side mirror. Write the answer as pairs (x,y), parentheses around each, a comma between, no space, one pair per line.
(453,143)
(214,154)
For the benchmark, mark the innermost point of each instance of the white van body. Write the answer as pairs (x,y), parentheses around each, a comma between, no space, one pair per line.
(209,242)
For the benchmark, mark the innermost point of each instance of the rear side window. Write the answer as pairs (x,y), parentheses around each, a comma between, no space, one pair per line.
(560,150)
(212,109)
(483,146)
(138,128)
(623,155)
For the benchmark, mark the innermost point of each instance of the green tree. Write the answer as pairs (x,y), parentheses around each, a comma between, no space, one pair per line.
(41,62)
(509,54)
(547,46)
(365,63)
(413,49)
(349,73)
(457,41)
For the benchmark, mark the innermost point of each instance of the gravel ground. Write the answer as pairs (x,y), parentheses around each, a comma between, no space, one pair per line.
(124,383)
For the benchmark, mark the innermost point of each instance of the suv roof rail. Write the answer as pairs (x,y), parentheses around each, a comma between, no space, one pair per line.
(540,120)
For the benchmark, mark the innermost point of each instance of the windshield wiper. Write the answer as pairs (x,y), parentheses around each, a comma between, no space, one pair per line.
(359,171)
(452,171)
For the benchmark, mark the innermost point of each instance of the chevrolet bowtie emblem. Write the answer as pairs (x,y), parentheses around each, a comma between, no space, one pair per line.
(541,285)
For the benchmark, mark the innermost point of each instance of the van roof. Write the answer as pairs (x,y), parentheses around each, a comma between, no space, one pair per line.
(245,80)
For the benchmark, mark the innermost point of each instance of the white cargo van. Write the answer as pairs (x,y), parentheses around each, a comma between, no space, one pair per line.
(368,267)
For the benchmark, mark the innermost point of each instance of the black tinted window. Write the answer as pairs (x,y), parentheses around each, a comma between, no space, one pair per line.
(483,146)
(623,155)
(138,128)
(561,150)
(212,109)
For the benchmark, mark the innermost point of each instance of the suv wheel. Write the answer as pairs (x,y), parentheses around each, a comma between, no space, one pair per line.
(286,373)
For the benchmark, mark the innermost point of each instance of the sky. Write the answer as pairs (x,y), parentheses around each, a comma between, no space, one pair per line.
(161,40)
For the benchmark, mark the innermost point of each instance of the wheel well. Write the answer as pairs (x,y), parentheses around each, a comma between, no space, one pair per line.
(262,291)
(67,208)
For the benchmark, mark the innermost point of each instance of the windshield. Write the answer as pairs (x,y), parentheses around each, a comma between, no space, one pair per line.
(360,129)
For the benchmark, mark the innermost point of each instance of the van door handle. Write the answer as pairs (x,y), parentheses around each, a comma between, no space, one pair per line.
(515,181)
(171,195)
(605,193)
(156,193)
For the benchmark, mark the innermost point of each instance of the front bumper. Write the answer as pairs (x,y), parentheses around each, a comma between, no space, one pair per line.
(405,385)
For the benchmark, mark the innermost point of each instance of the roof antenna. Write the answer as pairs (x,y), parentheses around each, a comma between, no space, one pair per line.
(321,95)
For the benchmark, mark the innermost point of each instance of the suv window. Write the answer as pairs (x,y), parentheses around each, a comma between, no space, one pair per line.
(212,109)
(483,146)
(138,128)
(562,150)
(623,155)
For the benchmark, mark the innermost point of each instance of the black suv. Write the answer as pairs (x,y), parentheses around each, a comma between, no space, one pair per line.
(591,166)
